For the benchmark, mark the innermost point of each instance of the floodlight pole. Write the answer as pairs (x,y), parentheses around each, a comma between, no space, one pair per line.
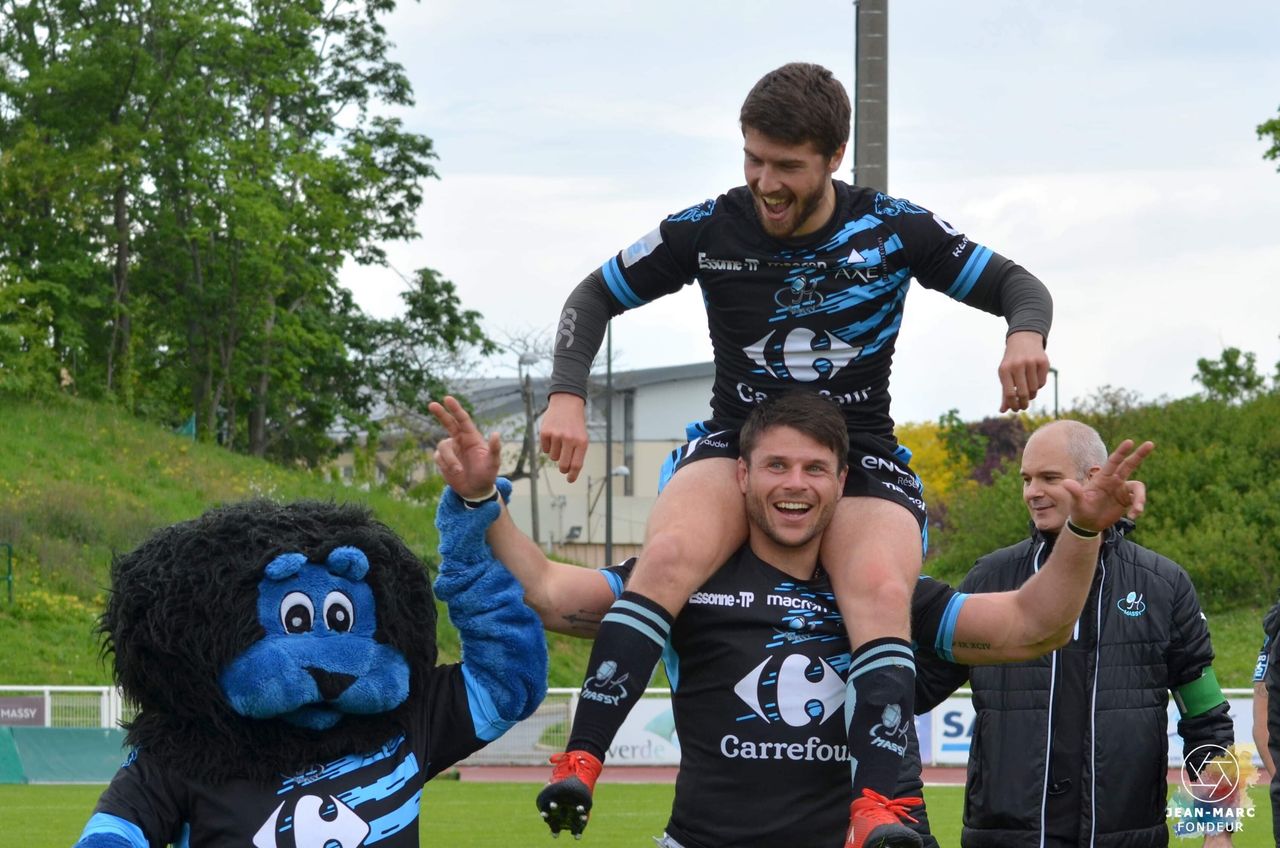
(871,94)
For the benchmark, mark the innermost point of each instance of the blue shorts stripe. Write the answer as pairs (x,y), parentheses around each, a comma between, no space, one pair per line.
(615,583)
(636,625)
(618,285)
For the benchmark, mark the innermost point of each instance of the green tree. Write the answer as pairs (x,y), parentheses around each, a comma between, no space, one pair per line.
(966,447)
(1271,130)
(1232,378)
(181,182)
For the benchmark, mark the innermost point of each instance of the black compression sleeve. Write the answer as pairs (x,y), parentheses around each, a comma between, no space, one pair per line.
(1015,293)
(580,333)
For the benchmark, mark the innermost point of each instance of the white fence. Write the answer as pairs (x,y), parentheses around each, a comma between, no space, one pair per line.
(61,706)
(647,737)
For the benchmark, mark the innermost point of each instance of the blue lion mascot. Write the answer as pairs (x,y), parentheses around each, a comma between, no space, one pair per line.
(282,658)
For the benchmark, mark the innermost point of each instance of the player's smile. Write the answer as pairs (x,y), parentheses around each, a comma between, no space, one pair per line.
(791,184)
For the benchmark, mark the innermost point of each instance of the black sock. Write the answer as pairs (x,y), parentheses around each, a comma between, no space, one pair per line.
(631,638)
(878,707)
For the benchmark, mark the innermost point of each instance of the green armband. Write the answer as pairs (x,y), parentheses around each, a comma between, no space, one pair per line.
(1199,696)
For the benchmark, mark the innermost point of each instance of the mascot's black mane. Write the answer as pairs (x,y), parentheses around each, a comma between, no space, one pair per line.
(184,604)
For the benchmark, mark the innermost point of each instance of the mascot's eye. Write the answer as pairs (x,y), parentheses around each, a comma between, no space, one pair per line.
(338,613)
(296,613)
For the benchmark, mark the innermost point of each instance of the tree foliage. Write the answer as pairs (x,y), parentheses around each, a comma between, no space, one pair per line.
(180,183)
(1231,378)
(1270,131)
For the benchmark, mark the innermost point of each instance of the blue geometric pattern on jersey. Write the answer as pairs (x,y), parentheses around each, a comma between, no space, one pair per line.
(696,213)
(385,786)
(341,766)
(848,231)
(399,819)
(406,773)
(969,274)
(618,286)
(801,619)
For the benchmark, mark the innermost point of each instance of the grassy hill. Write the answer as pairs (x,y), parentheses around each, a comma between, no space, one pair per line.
(79,481)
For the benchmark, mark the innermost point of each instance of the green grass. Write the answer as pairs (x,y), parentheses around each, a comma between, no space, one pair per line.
(489,814)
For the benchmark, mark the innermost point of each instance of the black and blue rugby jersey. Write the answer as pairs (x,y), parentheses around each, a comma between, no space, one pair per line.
(822,312)
(757,663)
(365,799)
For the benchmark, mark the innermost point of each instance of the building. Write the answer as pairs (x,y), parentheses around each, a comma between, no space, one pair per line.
(650,408)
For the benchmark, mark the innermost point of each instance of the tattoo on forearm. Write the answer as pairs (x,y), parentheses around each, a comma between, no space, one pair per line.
(973,646)
(584,620)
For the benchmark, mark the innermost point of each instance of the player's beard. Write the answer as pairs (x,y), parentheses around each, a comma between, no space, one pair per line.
(802,208)
(761,515)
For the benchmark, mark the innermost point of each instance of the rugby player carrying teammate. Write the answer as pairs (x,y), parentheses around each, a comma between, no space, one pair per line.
(804,279)
(756,657)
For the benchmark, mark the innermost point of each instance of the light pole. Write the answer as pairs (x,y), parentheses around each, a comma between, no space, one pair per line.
(1054,372)
(526,390)
(593,497)
(608,445)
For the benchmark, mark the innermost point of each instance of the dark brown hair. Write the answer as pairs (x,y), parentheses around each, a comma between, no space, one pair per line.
(799,102)
(812,414)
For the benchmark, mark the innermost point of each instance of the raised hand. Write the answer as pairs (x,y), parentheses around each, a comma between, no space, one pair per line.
(1109,494)
(467,460)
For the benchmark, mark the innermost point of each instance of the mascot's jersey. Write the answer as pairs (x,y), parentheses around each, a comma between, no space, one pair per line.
(757,661)
(820,314)
(365,800)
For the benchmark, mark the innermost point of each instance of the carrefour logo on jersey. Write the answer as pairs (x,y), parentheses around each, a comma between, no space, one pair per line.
(793,695)
(802,355)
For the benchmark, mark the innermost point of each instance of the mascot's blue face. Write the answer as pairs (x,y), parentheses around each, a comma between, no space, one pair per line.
(319,659)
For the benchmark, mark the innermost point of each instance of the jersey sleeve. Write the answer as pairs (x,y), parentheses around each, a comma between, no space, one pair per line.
(661,262)
(455,718)
(141,807)
(618,575)
(935,607)
(944,259)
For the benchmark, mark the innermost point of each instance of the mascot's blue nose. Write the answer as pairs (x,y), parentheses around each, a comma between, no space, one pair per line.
(330,683)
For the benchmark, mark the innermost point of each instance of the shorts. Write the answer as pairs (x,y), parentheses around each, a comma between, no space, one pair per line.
(877,468)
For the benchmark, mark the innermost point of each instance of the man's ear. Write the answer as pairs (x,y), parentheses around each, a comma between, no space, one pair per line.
(1088,475)
(833,164)
(742,475)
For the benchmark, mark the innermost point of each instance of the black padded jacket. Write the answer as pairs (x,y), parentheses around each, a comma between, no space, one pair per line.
(1142,634)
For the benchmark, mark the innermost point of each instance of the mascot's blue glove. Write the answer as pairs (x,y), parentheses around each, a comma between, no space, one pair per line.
(504,650)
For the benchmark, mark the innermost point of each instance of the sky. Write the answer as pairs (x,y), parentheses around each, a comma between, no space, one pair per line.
(1110,148)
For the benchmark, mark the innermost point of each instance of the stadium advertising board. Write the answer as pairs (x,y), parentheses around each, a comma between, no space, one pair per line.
(23,711)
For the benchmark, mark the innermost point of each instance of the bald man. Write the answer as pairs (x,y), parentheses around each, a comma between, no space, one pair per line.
(1070,749)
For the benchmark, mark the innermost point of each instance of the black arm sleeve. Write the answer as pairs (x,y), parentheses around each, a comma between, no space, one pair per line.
(1016,294)
(1211,728)
(578,338)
